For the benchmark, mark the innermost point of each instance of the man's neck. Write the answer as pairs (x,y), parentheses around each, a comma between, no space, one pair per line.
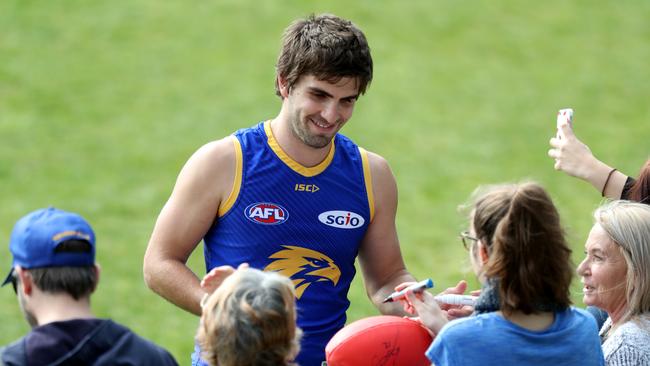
(55,308)
(296,149)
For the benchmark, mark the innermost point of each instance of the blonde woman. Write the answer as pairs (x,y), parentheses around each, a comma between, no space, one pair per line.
(250,320)
(616,278)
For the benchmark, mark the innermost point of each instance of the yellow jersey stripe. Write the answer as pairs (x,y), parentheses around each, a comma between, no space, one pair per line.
(367,177)
(236,184)
(294,165)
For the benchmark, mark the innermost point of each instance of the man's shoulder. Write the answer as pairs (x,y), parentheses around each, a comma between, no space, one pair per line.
(225,145)
(257,128)
(225,148)
(212,158)
(134,343)
(108,340)
(13,353)
(114,330)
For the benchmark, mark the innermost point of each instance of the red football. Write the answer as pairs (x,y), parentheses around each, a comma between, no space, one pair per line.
(379,340)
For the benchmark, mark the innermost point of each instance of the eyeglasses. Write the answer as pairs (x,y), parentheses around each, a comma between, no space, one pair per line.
(467,239)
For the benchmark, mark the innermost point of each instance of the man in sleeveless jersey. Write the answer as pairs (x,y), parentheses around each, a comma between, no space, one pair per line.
(291,194)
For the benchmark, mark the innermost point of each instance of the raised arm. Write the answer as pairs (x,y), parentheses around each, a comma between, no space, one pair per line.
(576,159)
(380,256)
(203,183)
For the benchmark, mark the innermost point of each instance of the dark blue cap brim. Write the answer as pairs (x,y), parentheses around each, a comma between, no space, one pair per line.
(8,279)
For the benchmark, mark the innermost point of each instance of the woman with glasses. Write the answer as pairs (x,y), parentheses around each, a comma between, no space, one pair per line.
(524,315)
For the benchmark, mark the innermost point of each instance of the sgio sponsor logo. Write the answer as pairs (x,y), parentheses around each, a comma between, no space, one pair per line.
(266,213)
(306,188)
(341,219)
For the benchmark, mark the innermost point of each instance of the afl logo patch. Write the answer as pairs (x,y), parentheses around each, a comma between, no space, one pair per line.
(341,219)
(266,213)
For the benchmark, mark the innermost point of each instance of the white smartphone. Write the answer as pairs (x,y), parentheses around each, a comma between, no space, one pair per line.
(564,116)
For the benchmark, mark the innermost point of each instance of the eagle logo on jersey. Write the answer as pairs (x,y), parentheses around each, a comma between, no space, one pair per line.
(304,267)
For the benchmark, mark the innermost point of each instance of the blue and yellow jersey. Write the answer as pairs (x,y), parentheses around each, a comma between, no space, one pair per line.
(304,222)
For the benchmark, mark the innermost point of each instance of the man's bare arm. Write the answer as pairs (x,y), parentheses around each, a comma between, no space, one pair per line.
(203,183)
(380,256)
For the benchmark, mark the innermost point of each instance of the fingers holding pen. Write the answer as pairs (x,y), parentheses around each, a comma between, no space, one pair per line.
(427,309)
(458,311)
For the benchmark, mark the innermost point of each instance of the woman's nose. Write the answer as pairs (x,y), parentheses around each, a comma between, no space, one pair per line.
(582,268)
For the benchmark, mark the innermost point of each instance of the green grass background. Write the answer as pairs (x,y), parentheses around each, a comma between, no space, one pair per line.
(101,102)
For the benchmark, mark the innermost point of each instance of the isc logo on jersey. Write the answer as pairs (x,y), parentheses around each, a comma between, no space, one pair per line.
(266,213)
(341,219)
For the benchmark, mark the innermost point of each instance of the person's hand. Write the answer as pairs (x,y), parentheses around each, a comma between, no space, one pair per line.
(458,311)
(427,310)
(451,312)
(407,306)
(571,155)
(213,279)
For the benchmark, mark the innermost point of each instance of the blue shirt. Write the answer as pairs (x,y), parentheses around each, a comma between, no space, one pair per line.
(489,339)
(303,222)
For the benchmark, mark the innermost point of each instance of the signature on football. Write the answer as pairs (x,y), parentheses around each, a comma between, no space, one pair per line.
(390,353)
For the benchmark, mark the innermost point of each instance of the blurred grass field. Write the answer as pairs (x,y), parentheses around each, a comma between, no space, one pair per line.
(102,102)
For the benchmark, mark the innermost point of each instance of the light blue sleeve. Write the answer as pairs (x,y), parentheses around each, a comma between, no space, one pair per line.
(437,353)
(442,352)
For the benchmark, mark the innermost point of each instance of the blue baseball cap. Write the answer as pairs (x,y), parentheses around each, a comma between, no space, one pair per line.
(36,236)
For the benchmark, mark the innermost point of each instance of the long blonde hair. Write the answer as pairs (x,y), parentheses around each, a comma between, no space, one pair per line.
(627,223)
